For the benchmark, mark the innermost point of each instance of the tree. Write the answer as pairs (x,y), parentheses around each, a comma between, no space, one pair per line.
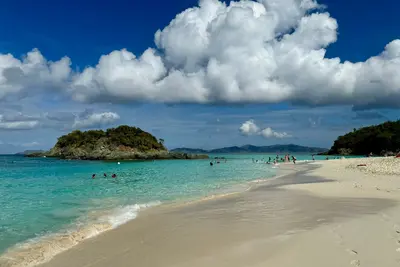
(124,135)
(375,139)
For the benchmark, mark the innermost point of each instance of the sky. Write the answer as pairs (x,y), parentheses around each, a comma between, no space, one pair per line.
(203,74)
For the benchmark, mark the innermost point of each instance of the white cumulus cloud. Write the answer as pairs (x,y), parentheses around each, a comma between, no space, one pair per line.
(95,120)
(251,128)
(32,74)
(264,51)
(269,133)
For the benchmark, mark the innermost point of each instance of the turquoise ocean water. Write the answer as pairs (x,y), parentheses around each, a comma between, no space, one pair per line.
(50,198)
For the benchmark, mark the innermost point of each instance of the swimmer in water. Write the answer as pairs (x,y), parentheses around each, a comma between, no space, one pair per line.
(211,163)
(93,175)
(105,174)
(114,176)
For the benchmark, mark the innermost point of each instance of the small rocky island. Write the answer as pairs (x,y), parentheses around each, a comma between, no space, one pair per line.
(121,143)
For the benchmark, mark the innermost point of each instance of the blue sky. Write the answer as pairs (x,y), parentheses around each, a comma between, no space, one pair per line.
(213,96)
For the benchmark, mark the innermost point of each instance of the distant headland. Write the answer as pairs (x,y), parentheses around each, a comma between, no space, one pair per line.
(121,143)
(290,148)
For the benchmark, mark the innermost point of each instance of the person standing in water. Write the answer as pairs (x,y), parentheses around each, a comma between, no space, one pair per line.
(93,175)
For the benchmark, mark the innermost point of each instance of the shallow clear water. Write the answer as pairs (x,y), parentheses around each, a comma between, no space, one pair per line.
(45,196)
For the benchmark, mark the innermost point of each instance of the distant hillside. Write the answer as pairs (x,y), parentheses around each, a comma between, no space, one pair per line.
(382,139)
(189,150)
(27,152)
(256,149)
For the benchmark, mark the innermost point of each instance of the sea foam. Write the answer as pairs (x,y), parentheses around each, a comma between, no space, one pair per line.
(42,249)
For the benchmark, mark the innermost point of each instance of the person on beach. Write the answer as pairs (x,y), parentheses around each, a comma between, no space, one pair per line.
(313,157)
(93,175)
(294,159)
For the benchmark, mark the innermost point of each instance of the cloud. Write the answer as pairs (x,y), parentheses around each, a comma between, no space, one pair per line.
(245,52)
(251,128)
(269,51)
(19,122)
(89,120)
(269,133)
(32,74)
(60,120)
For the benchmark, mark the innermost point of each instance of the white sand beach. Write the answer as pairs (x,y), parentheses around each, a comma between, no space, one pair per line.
(329,213)
(370,240)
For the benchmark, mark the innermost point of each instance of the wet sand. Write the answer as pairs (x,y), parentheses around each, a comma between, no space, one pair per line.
(282,222)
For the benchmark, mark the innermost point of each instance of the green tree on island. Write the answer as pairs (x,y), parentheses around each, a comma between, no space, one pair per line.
(121,143)
(379,139)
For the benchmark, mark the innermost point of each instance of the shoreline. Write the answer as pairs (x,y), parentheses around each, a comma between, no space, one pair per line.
(30,252)
(305,218)
(319,184)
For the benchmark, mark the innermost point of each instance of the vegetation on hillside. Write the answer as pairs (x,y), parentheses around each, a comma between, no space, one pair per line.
(126,136)
(379,139)
(121,143)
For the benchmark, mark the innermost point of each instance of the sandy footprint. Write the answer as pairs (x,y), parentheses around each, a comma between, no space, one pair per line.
(337,235)
(396,229)
(386,218)
(352,251)
(340,241)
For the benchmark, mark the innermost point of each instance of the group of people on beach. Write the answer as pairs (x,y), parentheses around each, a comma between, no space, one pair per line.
(105,175)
